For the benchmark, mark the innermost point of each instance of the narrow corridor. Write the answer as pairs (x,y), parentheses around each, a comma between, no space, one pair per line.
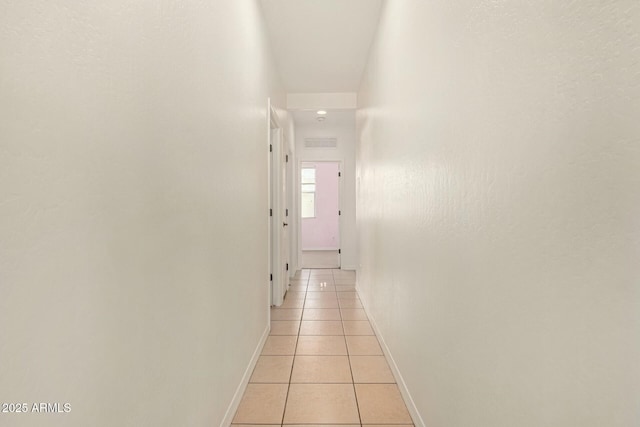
(322,363)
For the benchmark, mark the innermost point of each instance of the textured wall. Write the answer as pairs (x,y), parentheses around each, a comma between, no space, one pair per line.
(133,231)
(499,208)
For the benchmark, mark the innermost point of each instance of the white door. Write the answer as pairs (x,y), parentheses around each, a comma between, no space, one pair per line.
(279,210)
(284,211)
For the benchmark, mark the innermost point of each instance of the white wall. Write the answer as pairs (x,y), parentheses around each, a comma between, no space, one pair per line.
(345,152)
(133,156)
(322,101)
(499,209)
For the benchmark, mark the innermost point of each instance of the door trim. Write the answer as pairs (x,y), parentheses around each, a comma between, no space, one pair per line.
(277,198)
(298,201)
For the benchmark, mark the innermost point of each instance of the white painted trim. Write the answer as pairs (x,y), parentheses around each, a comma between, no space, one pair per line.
(271,121)
(320,249)
(348,267)
(237,397)
(340,163)
(411,406)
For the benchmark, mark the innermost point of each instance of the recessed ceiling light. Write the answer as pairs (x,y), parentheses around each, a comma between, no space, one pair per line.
(321,112)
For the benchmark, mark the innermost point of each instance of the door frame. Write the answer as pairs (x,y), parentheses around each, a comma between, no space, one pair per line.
(278,149)
(298,193)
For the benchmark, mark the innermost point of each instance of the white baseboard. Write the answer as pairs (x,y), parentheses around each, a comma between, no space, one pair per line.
(237,397)
(319,249)
(347,267)
(408,400)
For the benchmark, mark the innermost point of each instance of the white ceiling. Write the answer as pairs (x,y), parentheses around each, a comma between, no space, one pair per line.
(333,119)
(321,45)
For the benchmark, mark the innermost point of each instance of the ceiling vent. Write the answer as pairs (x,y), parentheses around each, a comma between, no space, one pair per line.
(320,142)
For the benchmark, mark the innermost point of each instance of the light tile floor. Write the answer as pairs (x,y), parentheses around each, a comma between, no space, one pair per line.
(322,363)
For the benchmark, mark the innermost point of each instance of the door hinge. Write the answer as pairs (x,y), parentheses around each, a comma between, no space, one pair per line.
(271,277)
(286,212)
(270,212)
(339,212)
(339,251)
(287,266)
(286,158)
(270,148)
(339,174)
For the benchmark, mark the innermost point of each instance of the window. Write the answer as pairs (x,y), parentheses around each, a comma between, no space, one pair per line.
(308,199)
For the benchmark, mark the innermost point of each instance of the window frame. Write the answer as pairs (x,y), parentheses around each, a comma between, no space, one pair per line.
(302,184)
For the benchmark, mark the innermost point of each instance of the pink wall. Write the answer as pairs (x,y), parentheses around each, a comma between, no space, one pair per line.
(321,232)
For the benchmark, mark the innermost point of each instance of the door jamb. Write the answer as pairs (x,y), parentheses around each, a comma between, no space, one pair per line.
(299,197)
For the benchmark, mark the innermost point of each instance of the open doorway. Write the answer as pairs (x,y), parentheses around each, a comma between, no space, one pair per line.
(320,214)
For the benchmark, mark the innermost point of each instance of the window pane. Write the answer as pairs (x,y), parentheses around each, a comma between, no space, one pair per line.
(308,175)
(308,188)
(308,208)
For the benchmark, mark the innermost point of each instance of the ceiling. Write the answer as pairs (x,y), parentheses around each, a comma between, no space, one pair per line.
(333,119)
(321,45)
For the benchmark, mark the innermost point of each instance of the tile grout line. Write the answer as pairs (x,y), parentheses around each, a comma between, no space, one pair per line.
(293,362)
(353,381)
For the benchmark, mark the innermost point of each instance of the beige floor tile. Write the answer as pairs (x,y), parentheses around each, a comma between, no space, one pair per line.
(357,327)
(381,404)
(321,272)
(321,314)
(371,369)
(321,404)
(298,288)
(321,369)
(262,425)
(383,425)
(350,303)
(345,295)
(296,294)
(279,345)
(353,314)
(321,327)
(321,303)
(284,327)
(321,277)
(292,303)
(262,404)
(272,369)
(321,284)
(327,278)
(319,425)
(322,295)
(345,288)
(363,345)
(328,288)
(322,346)
(286,313)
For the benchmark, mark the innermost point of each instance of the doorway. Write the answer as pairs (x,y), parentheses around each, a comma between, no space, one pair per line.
(279,239)
(320,214)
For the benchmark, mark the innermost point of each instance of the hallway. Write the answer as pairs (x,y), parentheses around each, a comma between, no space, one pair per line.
(153,207)
(322,363)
